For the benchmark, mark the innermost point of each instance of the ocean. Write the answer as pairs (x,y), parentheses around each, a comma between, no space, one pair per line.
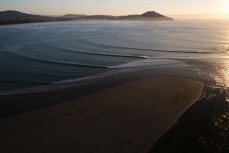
(41,54)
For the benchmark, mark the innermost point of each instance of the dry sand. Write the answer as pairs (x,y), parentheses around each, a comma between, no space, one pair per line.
(123,119)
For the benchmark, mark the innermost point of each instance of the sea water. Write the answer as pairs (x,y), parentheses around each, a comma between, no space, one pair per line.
(40,54)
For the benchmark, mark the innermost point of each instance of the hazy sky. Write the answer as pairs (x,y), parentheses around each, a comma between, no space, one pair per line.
(117,7)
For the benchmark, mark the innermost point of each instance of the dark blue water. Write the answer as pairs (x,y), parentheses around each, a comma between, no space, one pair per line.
(44,53)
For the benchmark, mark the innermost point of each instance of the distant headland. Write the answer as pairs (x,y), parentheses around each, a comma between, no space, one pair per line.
(15,17)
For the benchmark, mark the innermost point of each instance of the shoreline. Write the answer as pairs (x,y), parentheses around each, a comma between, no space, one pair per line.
(14,104)
(121,117)
(70,116)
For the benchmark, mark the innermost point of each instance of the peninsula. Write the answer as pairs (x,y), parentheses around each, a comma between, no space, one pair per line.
(15,17)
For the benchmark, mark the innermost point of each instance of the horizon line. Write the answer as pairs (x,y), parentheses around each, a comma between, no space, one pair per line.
(222,15)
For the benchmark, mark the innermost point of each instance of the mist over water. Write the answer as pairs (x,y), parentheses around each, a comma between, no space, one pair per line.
(43,53)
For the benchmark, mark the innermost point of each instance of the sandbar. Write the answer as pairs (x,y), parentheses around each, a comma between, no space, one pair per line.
(127,118)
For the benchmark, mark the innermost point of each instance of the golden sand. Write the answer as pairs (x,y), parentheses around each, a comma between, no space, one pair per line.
(123,119)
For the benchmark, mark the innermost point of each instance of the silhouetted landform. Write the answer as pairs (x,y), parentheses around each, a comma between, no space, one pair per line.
(148,16)
(70,16)
(14,17)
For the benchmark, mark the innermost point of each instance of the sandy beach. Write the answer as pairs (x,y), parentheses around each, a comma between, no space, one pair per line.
(127,118)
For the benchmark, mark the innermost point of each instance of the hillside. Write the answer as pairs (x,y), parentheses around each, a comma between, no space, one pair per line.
(14,17)
(150,15)
(71,16)
(10,17)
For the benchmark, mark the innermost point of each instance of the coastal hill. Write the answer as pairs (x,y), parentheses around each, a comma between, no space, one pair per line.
(150,15)
(14,17)
(71,16)
(153,14)
(18,17)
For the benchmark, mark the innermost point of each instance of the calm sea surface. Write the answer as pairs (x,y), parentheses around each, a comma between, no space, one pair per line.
(46,53)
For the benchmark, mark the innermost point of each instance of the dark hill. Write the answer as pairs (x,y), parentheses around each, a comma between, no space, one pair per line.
(152,14)
(148,16)
(14,17)
(71,16)
(9,17)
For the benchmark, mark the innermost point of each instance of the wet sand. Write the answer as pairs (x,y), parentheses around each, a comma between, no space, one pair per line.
(127,118)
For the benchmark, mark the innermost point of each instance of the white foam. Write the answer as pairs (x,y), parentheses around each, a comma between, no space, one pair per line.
(124,68)
(66,83)
(146,62)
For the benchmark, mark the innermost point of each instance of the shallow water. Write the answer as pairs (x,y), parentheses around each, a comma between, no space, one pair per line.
(44,53)
(47,56)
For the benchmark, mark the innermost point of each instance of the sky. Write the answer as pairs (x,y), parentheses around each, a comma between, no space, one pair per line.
(118,7)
